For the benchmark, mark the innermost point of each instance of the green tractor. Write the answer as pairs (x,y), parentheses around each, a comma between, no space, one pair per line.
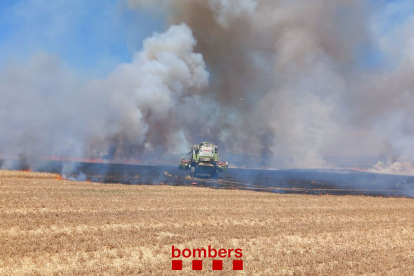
(203,159)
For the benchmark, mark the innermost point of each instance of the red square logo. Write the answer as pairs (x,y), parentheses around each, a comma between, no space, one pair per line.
(197,265)
(237,264)
(177,265)
(217,264)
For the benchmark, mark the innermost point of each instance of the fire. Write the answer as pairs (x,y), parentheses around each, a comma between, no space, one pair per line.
(59,177)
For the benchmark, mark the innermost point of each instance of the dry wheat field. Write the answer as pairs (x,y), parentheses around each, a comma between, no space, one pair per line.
(50,226)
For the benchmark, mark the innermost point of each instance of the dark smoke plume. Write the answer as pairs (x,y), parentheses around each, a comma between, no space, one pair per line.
(288,78)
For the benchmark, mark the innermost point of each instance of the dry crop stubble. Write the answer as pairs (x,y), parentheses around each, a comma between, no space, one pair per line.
(51,226)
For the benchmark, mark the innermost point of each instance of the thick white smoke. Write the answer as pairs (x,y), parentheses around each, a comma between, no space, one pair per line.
(148,97)
(393,168)
(46,111)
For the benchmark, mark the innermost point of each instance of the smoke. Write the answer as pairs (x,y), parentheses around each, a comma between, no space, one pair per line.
(225,12)
(298,80)
(393,168)
(292,78)
(280,70)
(39,110)
(151,97)
(46,111)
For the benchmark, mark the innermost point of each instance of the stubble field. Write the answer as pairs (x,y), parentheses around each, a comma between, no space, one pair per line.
(50,226)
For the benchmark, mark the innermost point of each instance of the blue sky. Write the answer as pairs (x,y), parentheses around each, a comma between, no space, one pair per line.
(91,36)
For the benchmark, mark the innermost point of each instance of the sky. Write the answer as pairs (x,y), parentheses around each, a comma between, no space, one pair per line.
(92,37)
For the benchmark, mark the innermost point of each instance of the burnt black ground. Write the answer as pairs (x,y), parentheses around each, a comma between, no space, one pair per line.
(315,182)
